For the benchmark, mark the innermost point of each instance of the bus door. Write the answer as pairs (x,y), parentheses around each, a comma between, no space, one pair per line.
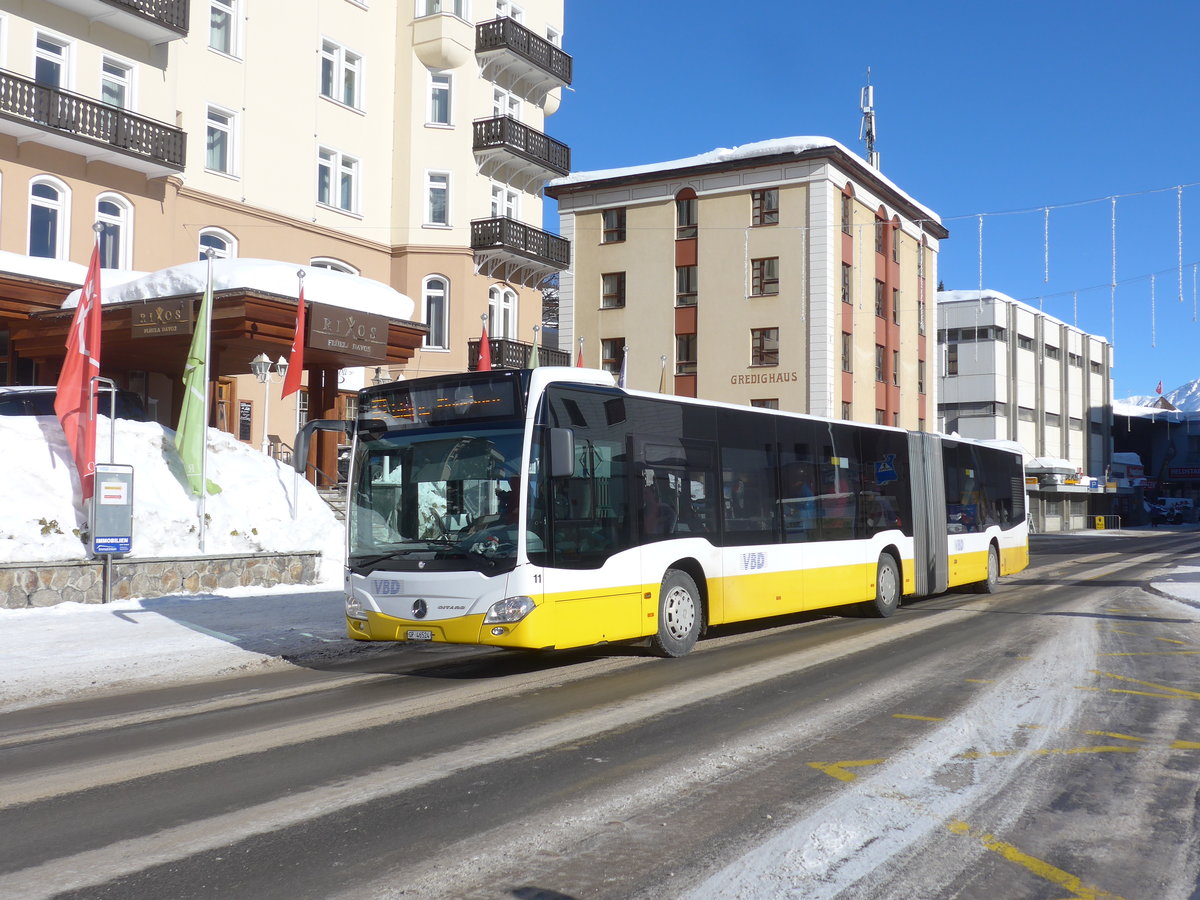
(930,547)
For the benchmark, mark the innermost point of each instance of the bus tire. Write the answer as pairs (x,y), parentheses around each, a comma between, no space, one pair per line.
(680,615)
(887,589)
(989,584)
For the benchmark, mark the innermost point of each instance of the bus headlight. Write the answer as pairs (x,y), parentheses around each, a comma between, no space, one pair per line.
(354,609)
(509,610)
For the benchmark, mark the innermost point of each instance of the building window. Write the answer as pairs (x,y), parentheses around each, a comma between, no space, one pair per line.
(612,290)
(764,346)
(879,417)
(1097,368)
(116,83)
(764,276)
(765,206)
(114,213)
(879,310)
(920,261)
(952,359)
(687,279)
(49,205)
(879,226)
(1052,352)
(1053,420)
(433,7)
(847,352)
(895,306)
(847,214)
(685,354)
(221,243)
(505,8)
(333,265)
(222,26)
(612,351)
(219,141)
(337,180)
(505,103)
(341,74)
(437,191)
(878,362)
(686,218)
(553,37)
(51,62)
(1075,424)
(847,281)
(502,312)
(1074,359)
(1026,414)
(614,225)
(895,235)
(505,201)
(920,315)
(847,411)
(895,367)
(436,293)
(439,98)
(772,403)
(1024,342)
(920,376)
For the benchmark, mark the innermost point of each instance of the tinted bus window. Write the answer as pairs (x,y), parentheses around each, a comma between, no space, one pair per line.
(749,486)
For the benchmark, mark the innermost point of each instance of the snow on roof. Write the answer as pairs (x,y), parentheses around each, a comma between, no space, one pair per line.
(267,275)
(750,151)
(59,270)
(1125,408)
(989,294)
(1053,464)
(1003,443)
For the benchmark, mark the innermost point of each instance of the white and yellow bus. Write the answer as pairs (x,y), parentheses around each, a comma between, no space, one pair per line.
(548,508)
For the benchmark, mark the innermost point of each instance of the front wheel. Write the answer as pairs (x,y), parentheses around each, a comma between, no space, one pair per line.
(989,584)
(887,589)
(680,615)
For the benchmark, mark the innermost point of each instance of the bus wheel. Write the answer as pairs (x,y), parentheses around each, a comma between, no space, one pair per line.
(679,615)
(887,589)
(989,584)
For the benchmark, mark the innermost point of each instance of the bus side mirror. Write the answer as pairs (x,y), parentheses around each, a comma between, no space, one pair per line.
(561,451)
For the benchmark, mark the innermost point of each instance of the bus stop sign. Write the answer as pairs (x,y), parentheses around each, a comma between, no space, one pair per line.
(112,509)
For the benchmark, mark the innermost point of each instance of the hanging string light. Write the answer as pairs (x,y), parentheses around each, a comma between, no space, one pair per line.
(1153,314)
(1112,290)
(1179,226)
(1046,245)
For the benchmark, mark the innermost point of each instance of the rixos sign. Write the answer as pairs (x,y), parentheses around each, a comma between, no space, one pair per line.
(159,318)
(347,331)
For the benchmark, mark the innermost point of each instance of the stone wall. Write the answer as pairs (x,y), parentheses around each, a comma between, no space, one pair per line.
(45,584)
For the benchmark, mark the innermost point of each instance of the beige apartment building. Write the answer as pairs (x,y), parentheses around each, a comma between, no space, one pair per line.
(787,274)
(395,140)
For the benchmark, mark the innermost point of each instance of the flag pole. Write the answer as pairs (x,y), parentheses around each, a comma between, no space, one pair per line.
(210,253)
(297,356)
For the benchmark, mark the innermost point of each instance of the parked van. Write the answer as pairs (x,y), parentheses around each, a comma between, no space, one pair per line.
(38,400)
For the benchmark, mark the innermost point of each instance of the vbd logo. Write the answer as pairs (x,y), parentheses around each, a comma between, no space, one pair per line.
(387,587)
(752,561)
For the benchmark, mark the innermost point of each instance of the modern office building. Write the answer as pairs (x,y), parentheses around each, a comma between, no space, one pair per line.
(787,273)
(398,141)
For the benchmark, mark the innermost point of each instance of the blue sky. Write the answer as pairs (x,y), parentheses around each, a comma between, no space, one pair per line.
(980,109)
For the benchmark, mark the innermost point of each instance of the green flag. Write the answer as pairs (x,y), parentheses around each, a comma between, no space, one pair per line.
(191,435)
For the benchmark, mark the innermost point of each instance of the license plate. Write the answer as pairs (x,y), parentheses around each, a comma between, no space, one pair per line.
(420,635)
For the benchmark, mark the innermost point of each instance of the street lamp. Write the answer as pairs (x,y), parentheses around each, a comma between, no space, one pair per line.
(264,370)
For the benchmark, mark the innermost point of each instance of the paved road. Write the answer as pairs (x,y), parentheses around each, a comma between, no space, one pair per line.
(1041,742)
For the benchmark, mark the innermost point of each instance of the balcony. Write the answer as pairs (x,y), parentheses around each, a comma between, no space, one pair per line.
(155,21)
(516,154)
(515,252)
(519,61)
(39,114)
(509,354)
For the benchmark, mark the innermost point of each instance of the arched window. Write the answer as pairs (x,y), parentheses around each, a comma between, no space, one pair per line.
(435,291)
(115,216)
(334,265)
(686,214)
(221,242)
(49,213)
(502,312)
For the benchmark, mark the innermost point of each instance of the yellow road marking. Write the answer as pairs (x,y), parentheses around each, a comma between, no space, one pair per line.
(1179,692)
(981,681)
(1038,867)
(1126,691)
(1185,745)
(1117,735)
(919,718)
(838,769)
(1155,653)
(1169,640)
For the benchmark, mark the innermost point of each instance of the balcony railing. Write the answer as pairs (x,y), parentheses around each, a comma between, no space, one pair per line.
(171,13)
(519,60)
(506,133)
(67,119)
(510,354)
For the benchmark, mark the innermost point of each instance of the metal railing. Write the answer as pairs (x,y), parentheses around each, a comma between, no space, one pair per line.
(508,34)
(507,133)
(510,354)
(523,240)
(73,114)
(171,13)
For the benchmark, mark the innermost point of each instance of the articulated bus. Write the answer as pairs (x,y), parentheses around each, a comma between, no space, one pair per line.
(548,509)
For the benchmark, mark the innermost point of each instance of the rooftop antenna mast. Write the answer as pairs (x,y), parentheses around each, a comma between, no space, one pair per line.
(866,131)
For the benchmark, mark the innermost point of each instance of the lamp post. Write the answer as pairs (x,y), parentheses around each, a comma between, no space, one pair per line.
(264,370)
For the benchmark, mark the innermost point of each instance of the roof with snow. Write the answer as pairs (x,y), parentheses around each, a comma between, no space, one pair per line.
(1001,297)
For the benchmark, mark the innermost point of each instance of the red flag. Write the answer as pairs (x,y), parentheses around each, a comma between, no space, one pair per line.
(1158,390)
(485,352)
(291,381)
(72,402)
(579,359)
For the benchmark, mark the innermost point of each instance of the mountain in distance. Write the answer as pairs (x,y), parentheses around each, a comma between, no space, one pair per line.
(1185,398)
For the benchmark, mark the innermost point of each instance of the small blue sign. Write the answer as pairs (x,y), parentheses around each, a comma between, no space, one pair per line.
(112,545)
(886,471)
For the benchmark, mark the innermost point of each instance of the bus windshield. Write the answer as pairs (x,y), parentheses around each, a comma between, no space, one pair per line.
(436,499)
